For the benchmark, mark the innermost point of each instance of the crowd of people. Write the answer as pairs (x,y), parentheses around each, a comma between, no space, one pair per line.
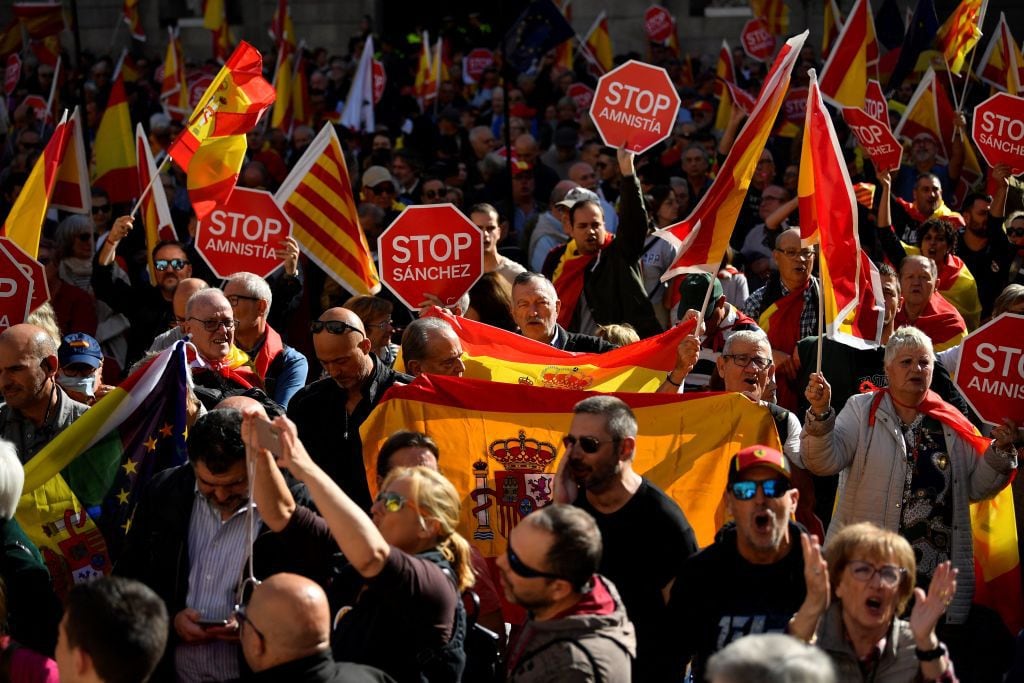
(847,554)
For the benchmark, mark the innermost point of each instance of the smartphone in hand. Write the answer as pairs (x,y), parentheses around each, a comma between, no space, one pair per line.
(267,437)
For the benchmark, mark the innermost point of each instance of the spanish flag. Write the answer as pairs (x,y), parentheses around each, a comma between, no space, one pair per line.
(501,356)
(774,12)
(960,32)
(212,146)
(500,445)
(113,152)
(939,320)
(997,581)
(281,115)
(1002,65)
(725,73)
(302,110)
(424,71)
(40,19)
(833,25)
(282,29)
(156,215)
(174,87)
(568,278)
(71,191)
(134,21)
(216,20)
(564,51)
(850,287)
(702,237)
(317,196)
(854,58)
(24,223)
(598,42)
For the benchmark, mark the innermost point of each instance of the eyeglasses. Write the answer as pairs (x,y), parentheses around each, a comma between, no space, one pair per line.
(101,209)
(84,237)
(394,502)
(771,488)
(588,444)
(213,324)
(744,359)
(235,298)
(381,188)
(381,325)
(801,254)
(242,618)
(524,570)
(889,575)
(175,263)
(332,327)
(1015,232)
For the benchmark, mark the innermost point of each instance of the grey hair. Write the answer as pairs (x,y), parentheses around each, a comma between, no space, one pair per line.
(621,422)
(770,658)
(932,268)
(253,285)
(201,296)
(1011,296)
(68,228)
(756,337)
(12,479)
(418,334)
(907,338)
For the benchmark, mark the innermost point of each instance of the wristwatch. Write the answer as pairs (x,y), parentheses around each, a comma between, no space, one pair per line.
(820,418)
(930,655)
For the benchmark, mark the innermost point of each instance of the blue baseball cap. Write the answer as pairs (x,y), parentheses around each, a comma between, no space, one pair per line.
(79,347)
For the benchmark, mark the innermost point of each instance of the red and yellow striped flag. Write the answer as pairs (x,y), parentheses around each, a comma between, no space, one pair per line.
(130,11)
(501,356)
(774,12)
(853,60)
(598,43)
(156,215)
(1002,65)
(40,19)
(113,152)
(702,237)
(24,223)
(960,33)
(71,190)
(174,87)
(564,51)
(282,29)
(215,19)
(833,25)
(281,115)
(725,71)
(317,196)
(302,110)
(424,70)
(997,559)
(501,438)
(850,288)
(211,148)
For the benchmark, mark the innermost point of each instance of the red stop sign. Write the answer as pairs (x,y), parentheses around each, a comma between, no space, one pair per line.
(757,40)
(875,104)
(243,234)
(380,79)
(635,106)
(197,85)
(33,270)
(12,73)
(431,250)
(15,290)
(581,94)
(875,137)
(998,131)
(990,372)
(477,62)
(658,24)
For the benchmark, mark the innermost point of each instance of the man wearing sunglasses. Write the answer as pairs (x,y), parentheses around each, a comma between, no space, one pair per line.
(752,578)
(578,629)
(634,516)
(329,412)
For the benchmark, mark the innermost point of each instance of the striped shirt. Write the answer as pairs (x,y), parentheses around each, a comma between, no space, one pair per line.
(218,551)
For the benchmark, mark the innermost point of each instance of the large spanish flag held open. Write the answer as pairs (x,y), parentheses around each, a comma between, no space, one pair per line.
(997,580)
(501,356)
(500,445)
(852,61)
(317,196)
(113,152)
(212,147)
(702,237)
(960,33)
(24,223)
(71,191)
(852,303)
(1002,65)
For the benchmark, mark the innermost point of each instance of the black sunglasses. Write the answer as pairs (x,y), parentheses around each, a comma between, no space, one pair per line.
(381,188)
(1015,232)
(524,570)
(589,444)
(175,263)
(242,618)
(333,327)
(771,488)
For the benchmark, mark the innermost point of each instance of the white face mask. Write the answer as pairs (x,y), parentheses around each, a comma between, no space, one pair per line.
(83,385)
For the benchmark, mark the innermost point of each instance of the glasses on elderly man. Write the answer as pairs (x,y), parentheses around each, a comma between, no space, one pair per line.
(744,359)
(213,324)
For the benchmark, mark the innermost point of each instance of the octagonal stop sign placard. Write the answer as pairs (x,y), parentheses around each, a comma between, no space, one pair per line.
(757,40)
(635,106)
(15,290)
(998,130)
(32,269)
(990,372)
(430,250)
(243,234)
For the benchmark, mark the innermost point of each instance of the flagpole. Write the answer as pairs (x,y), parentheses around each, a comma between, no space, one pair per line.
(952,90)
(53,92)
(821,325)
(159,170)
(970,64)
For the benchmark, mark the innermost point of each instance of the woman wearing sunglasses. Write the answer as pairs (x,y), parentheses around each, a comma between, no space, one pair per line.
(872,573)
(403,614)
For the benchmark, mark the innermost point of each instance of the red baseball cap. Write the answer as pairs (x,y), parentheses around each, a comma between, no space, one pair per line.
(758,456)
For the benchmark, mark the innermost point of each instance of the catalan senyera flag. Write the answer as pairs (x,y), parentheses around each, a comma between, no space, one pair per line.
(852,61)
(71,191)
(853,308)
(1002,65)
(317,196)
(174,87)
(282,29)
(774,12)
(500,445)
(960,33)
(498,355)
(424,70)
(113,152)
(833,25)
(156,215)
(702,237)
(130,10)
(24,223)
(131,433)
(215,19)
(598,42)
(725,71)
(40,19)
(281,114)
(996,558)
(212,146)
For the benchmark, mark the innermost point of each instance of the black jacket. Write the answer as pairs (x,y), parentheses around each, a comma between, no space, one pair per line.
(33,610)
(582,343)
(320,668)
(145,307)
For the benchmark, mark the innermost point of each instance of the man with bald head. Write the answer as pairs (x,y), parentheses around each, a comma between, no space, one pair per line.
(35,408)
(221,368)
(186,288)
(285,632)
(329,412)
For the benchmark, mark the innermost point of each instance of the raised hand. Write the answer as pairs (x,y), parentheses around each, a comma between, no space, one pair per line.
(929,607)
(818,393)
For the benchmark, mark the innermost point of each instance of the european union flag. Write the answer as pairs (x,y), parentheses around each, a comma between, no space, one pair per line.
(538,29)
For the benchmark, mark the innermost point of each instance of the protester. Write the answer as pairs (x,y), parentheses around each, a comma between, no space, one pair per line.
(81,368)
(485,217)
(923,306)
(182,293)
(220,368)
(430,345)
(375,312)
(770,658)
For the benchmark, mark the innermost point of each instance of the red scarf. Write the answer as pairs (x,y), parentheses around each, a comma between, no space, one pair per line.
(939,320)
(233,368)
(933,406)
(781,320)
(272,345)
(568,278)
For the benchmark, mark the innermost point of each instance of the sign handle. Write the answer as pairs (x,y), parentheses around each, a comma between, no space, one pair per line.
(156,176)
(821,325)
